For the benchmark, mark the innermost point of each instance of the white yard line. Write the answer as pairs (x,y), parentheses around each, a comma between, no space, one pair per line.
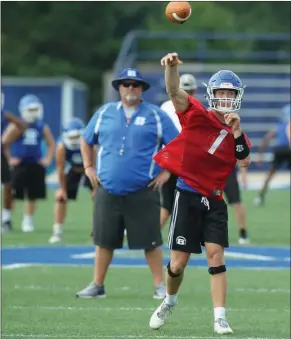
(140,309)
(17,265)
(76,265)
(128,288)
(121,336)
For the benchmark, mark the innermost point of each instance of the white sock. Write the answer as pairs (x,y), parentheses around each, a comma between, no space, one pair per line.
(219,312)
(6,215)
(57,228)
(171,299)
(28,219)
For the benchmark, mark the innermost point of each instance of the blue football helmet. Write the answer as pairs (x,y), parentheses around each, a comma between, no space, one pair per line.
(30,108)
(227,80)
(72,132)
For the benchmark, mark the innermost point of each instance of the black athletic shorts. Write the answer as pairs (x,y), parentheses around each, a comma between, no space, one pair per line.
(282,156)
(73,180)
(232,190)
(28,181)
(5,171)
(138,213)
(168,193)
(196,220)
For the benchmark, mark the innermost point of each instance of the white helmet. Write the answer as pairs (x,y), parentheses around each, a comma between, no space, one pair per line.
(72,132)
(31,108)
(188,82)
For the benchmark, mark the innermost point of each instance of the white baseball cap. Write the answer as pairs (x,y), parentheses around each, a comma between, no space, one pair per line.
(188,82)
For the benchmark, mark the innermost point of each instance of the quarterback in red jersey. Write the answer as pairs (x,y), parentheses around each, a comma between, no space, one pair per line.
(203,156)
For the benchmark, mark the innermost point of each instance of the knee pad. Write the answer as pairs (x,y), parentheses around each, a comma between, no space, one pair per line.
(217,270)
(171,274)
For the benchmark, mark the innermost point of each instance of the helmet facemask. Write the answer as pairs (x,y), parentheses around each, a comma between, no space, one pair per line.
(72,139)
(32,112)
(225,105)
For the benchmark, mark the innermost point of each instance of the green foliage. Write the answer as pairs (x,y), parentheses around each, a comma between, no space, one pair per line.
(207,17)
(82,39)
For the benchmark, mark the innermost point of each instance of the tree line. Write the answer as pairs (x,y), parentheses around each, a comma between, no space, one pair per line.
(82,39)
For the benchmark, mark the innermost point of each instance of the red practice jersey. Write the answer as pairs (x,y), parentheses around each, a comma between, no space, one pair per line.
(203,154)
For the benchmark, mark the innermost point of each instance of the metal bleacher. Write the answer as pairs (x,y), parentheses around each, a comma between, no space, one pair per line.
(268,82)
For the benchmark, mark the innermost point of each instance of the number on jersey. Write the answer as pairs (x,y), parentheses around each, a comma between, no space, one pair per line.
(30,137)
(218,141)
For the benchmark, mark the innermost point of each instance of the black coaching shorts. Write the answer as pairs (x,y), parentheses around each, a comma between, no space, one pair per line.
(282,156)
(168,193)
(73,180)
(138,213)
(196,220)
(28,181)
(5,171)
(232,190)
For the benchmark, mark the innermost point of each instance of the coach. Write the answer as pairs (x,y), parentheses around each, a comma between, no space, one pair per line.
(127,180)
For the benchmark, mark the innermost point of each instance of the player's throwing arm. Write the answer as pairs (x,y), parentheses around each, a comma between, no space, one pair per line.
(178,96)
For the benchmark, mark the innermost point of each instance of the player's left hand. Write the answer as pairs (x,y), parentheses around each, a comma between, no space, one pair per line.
(45,162)
(159,180)
(232,120)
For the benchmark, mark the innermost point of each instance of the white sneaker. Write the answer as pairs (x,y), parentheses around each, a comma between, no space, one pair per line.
(161,315)
(258,201)
(244,241)
(221,326)
(55,238)
(27,227)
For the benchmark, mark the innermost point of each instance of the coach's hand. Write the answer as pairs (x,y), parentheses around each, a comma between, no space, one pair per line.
(159,180)
(171,59)
(14,161)
(61,195)
(92,176)
(93,193)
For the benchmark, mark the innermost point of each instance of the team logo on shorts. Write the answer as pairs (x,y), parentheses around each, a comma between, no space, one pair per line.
(216,192)
(181,241)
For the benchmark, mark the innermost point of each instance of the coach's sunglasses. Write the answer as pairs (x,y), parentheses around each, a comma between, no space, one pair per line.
(133,84)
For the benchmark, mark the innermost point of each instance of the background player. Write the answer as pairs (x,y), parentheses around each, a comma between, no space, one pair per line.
(28,173)
(68,153)
(281,154)
(7,117)
(189,84)
(233,196)
(211,142)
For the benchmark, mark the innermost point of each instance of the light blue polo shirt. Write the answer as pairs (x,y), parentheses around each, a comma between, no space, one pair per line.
(124,161)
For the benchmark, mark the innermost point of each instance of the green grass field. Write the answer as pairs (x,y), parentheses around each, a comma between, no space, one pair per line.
(39,302)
